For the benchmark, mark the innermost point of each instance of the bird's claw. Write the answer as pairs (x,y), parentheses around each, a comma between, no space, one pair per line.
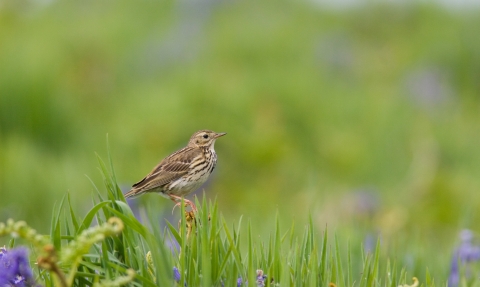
(187,203)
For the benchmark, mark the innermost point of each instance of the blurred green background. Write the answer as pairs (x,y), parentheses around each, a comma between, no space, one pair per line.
(366,115)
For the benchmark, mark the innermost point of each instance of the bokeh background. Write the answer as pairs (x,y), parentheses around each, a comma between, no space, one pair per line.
(364,114)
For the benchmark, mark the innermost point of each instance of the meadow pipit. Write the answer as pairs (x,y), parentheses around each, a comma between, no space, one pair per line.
(183,171)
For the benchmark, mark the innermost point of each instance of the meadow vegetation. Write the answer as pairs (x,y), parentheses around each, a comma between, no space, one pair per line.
(358,126)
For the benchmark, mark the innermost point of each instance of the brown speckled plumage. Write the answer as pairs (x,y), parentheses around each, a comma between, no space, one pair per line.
(183,171)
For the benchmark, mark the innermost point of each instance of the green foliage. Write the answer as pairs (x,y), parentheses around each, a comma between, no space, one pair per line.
(119,250)
(321,107)
(60,260)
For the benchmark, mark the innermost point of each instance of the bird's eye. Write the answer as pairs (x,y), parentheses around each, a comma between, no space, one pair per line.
(205,136)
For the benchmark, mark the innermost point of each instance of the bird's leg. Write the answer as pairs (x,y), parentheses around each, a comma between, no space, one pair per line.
(189,215)
(178,201)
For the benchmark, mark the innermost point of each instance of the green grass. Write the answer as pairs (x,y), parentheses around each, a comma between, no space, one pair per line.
(320,108)
(207,250)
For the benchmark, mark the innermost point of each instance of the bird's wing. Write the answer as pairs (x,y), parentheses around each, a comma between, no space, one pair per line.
(169,169)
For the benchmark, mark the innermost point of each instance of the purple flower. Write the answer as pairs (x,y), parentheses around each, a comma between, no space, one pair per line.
(429,87)
(465,253)
(239,282)
(176,274)
(260,278)
(14,268)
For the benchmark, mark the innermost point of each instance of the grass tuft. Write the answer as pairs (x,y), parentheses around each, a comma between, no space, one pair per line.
(109,246)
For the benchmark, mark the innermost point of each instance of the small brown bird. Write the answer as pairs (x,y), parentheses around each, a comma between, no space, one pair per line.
(183,171)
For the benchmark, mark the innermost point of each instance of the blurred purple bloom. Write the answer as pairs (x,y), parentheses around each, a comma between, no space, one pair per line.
(465,253)
(260,278)
(176,274)
(14,268)
(18,279)
(428,87)
(239,282)
(367,202)
(369,243)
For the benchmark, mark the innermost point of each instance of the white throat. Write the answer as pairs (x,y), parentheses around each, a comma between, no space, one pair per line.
(212,146)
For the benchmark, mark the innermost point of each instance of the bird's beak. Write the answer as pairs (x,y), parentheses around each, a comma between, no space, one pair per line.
(220,135)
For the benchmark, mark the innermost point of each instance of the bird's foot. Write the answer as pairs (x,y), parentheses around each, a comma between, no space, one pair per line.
(187,202)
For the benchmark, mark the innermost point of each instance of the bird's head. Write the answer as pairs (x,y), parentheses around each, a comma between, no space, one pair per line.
(204,138)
